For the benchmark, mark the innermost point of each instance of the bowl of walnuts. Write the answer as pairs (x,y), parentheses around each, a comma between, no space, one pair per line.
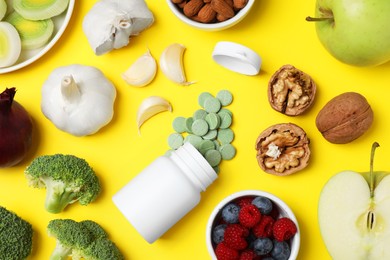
(210,15)
(253,224)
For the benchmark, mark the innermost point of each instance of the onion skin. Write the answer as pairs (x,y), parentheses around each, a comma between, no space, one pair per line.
(15,130)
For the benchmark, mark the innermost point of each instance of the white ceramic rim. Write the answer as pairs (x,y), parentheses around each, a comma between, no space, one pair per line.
(281,204)
(48,46)
(211,26)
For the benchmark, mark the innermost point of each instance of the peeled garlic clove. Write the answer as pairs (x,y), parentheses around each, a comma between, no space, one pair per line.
(150,107)
(110,23)
(171,64)
(142,71)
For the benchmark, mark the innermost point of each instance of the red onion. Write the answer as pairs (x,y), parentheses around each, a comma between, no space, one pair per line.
(15,130)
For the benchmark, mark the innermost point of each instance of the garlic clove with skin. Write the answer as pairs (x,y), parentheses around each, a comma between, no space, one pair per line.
(142,71)
(110,23)
(171,64)
(151,106)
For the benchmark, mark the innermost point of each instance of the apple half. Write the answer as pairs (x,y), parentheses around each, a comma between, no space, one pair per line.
(354,214)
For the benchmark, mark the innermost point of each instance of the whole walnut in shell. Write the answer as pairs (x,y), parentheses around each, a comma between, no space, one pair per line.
(345,118)
(283,149)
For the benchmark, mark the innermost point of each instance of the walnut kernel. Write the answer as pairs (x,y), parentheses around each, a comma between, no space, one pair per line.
(291,91)
(283,149)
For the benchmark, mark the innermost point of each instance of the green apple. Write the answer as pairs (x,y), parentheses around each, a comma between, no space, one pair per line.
(354,215)
(356,32)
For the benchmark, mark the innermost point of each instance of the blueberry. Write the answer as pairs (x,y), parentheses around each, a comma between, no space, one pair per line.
(281,250)
(262,246)
(263,204)
(230,213)
(218,233)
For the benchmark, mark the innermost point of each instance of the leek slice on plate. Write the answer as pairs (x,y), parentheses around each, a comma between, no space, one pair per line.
(3,9)
(33,34)
(40,9)
(10,44)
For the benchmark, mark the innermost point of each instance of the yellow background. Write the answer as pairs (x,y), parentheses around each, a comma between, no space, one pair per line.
(278,32)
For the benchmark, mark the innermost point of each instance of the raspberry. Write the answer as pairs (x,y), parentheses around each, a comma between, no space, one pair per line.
(244,201)
(249,216)
(265,227)
(284,229)
(247,255)
(223,252)
(235,236)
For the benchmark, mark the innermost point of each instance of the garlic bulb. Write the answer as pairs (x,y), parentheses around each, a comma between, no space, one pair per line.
(78,99)
(110,23)
(142,71)
(151,106)
(171,64)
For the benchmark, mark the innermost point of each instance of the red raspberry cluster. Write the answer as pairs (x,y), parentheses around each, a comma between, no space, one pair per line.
(238,237)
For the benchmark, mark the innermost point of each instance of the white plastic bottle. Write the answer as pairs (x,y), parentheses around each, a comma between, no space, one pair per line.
(165,191)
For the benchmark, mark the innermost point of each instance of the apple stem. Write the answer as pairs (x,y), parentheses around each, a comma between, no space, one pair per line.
(318,19)
(373,148)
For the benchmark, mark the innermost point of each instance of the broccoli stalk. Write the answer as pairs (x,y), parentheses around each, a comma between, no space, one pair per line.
(66,178)
(58,196)
(60,252)
(16,236)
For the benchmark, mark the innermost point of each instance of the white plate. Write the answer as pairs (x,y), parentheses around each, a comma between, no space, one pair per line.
(29,56)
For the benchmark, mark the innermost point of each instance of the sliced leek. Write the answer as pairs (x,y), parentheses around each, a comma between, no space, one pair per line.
(40,9)
(33,34)
(3,9)
(10,45)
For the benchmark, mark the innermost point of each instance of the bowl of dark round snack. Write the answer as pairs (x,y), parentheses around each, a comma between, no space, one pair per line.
(253,224)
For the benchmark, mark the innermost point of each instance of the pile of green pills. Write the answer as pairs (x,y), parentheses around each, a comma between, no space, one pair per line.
(208,129)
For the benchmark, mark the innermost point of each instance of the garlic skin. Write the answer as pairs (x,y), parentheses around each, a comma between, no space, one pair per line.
(78,99)
(171,64)
(142,71)
(150,107)
(110,23)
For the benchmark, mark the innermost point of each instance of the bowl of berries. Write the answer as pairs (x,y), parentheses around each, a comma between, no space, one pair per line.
(253,224)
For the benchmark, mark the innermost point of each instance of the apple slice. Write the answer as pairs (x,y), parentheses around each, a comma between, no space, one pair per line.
(354,214)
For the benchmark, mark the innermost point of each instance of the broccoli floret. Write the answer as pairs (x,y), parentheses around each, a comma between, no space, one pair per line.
(67,179)
(81,240)
(94,228)
(69,235)
(15,236)
(101,249)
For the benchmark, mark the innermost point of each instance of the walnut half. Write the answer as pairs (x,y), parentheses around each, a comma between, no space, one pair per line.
(283,149)
(291,91)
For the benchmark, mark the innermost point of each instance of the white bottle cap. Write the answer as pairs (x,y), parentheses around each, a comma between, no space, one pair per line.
(237,58)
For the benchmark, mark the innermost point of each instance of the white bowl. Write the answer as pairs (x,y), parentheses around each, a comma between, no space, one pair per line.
(283,209)
(211,26)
